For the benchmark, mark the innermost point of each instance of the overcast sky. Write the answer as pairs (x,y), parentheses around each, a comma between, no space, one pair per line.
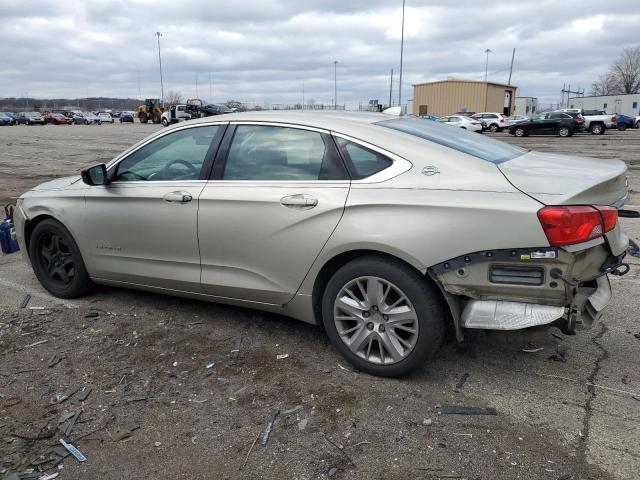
(264,50)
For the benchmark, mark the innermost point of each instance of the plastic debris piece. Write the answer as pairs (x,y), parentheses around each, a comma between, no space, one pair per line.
(427,422)
(295,409)
(284,355)
(559,357)
(54,360)
(50,476)
(267,431)
(467,410)
(462,381)
(36,343)
(25,301)
(209,365)
(73,451)
(333,471)
(302,424)
(532,350)
(626,379)
(82,395)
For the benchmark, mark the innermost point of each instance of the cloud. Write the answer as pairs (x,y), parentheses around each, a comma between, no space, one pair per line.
(263,50)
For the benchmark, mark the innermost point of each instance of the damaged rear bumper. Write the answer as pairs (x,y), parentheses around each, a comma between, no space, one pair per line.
(523,288)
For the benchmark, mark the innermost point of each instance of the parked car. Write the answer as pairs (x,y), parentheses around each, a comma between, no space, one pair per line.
(105,117)
(494,122)
(624,121)
(66,113)
(292,224)
(126,116)
(558,123)
(29,118)
(595,121)
(465,114)
(513,119)
(86,118)
(467,123)
(12,116)
(5,119)
(57,119)
(214,109)
(434,118)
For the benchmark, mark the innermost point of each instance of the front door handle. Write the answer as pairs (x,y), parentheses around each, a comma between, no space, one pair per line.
(299,201)
(177,197)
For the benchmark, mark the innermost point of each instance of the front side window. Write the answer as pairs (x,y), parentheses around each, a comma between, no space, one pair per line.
(464,141)
(173,157)
(363,161)
(261,152)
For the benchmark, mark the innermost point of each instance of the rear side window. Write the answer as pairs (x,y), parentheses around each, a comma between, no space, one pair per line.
(464,141)
(362,162)
(261,152)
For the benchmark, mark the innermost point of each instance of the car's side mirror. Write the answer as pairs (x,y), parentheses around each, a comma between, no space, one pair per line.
(96,175)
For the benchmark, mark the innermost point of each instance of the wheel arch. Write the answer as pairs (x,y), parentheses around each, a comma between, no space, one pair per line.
(334,263)
(31,223)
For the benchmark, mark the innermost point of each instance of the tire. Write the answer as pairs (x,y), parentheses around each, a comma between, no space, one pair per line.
(564,132)
(87,122)
(27,122)
(463,128)
(155,118)
(143,118)
(493,128)
(422,303)
(622,127)
(64,274)
(638,124)
(596,128)
(165,122)
(520,132)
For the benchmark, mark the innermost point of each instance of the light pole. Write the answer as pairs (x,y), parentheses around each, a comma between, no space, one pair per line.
(158,34)
(401,55)
(486,65)
(335,84)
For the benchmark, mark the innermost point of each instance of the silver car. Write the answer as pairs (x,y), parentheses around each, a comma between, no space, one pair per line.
(385,231)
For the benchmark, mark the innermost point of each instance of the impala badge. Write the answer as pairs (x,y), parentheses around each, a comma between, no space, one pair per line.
(430,170)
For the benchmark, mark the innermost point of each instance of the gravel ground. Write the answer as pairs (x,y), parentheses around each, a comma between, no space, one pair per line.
(155,409)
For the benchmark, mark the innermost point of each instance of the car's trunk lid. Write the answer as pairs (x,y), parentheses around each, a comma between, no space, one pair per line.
(555,179)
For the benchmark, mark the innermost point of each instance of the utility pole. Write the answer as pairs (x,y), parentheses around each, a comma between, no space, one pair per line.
(197,95)
(303,94)
(401,56)
(513,56)
(158,34)
(486,65)
(335,84)
(210,88)
(390,87)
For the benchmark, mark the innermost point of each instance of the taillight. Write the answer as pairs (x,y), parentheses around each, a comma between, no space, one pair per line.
(614,119)
(568,225)
(474,123)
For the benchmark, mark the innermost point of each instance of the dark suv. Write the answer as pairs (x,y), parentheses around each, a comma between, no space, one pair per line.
(552,123)
(29,118)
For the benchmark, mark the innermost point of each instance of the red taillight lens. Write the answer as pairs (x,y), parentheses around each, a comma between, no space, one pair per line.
(614,119)
(609,217)
(568,225)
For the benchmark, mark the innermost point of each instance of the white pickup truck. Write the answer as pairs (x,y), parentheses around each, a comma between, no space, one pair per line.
(595,121)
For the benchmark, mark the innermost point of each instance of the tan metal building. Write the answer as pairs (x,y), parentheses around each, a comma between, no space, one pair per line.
(450,96)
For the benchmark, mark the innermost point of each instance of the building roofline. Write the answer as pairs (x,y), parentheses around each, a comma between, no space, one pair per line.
(601,96)
(458,80)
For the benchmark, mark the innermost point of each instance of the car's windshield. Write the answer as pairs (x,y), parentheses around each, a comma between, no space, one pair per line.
(32,114)
(471,143)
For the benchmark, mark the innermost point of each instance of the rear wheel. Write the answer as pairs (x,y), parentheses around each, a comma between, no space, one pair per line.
(564,131)
(596,128)
(57,261)
(494,128)
(638,124)
(155,118)
(622,127)
(520,132)
(383,316)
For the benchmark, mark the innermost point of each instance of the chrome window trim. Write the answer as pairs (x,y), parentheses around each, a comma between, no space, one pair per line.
(134,149)
(399,166)
(279,124)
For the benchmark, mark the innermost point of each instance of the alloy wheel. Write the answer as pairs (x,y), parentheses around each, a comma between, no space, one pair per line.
(563,132)
(376,320)
(57,260)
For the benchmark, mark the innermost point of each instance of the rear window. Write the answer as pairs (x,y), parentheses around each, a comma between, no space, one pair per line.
(471,143)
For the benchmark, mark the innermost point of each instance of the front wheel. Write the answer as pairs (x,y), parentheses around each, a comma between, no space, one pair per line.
(383,316)
(165,122)
(57,261)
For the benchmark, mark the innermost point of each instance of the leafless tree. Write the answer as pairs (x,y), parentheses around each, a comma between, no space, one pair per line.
(606,84)
(626,70)
(173,98)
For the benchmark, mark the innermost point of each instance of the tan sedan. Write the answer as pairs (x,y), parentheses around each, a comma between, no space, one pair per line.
(385,231)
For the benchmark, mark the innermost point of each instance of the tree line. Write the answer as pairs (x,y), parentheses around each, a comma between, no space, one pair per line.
(623,75)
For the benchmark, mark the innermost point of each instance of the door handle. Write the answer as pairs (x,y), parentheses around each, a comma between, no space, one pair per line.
(299,201)
(177,197)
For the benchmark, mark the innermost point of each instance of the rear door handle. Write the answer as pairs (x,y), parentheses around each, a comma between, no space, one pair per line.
(177,197)
(299,201)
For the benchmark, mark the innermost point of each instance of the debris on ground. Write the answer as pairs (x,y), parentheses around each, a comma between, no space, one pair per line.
(267,431)
(25,301)
(453,410)
(125,431)
(82,395)
(462,381)
(532,350)
(302,424)
(559,357)
(92,314)
(633,249)
(209,365)
(35,344)
(295,409)
(637,335)
(283,356)
(333,471)
(626,379)
(73,451)
(427,422)
(54,360)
